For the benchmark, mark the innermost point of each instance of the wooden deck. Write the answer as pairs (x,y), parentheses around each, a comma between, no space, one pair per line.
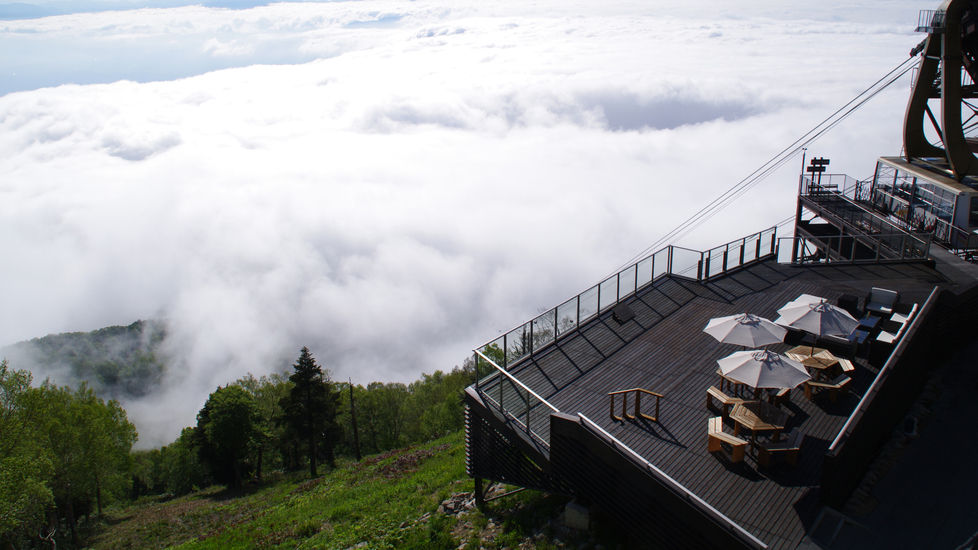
(663,349)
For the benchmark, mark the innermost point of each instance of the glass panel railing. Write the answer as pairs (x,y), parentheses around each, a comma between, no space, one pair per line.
(660,263)
(589,304)
(567,316)
(714,265)
(735,254)
(675,261)
(849,249)
(519,343)
(643,272)
(768,239)
(543,329)
(608,293)
(686,263)
(750,248)
(627,282)
(519,404)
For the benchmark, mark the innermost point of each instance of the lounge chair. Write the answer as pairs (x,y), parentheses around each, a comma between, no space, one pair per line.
(881,301)
(903,313)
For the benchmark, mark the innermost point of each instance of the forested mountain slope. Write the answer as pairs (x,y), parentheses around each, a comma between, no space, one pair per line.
(115,361)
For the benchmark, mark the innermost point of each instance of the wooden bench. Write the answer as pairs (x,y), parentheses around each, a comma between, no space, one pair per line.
(725,400)
(846,366)
(717,437)
(790,445)
(840,384)
(777,397)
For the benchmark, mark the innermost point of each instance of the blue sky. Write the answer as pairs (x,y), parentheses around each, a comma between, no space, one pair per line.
(393,183)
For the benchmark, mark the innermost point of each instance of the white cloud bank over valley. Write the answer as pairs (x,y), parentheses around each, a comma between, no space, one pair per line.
(405,189)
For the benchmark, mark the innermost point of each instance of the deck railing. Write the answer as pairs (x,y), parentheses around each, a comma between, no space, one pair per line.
(860,195)
(675,261)
(674,486)
(517,402)
(887,248)
(638,404)
(844,198)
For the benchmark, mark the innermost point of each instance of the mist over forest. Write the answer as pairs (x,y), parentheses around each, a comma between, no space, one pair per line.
(389,183)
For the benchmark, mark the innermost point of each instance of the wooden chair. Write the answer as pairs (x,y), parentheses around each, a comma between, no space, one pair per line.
(790,445)
(717,437)
(778,397)
(846,366)
(840,384)
(725,400)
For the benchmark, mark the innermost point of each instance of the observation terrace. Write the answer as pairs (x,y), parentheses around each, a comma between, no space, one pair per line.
(538,414)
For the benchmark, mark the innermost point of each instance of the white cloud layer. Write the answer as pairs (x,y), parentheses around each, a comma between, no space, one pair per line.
(409,188)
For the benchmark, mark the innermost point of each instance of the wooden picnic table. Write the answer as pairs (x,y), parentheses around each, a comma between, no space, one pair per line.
(758,416)
(819,360)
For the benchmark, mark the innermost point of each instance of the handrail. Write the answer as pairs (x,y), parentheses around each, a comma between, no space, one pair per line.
(517,382)
(528,338)
(502,407)
(638,403)
(675,485)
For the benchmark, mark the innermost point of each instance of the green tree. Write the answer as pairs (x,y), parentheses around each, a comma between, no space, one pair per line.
(105,437)
(230,423)
(24,465)
(310,408)
(268,392)
(182,469)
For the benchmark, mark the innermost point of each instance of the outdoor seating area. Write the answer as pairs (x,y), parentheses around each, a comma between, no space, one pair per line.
(767,373)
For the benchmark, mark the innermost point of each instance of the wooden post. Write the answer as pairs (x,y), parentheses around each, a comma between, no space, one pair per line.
(480,499)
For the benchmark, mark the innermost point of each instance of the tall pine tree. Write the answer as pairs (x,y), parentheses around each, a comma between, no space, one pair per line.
(310,408)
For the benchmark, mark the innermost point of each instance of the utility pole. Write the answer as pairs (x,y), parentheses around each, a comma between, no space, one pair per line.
(356,432)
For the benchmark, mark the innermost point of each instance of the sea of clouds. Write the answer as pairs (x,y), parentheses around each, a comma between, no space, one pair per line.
(393,183)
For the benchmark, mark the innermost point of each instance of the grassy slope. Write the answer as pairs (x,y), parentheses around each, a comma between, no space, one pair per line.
(364,504)
(352,504)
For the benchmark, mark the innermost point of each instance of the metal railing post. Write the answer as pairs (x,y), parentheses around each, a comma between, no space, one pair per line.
(706,271)
(757,253)
(668,263)
(501,380)
(505,351)
(475,357)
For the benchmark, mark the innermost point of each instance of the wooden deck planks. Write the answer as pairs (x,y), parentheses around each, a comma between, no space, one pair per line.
(664,350)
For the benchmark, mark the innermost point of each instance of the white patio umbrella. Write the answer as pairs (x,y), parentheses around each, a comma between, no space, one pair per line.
(745,329)
(818,318)
(762,369)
